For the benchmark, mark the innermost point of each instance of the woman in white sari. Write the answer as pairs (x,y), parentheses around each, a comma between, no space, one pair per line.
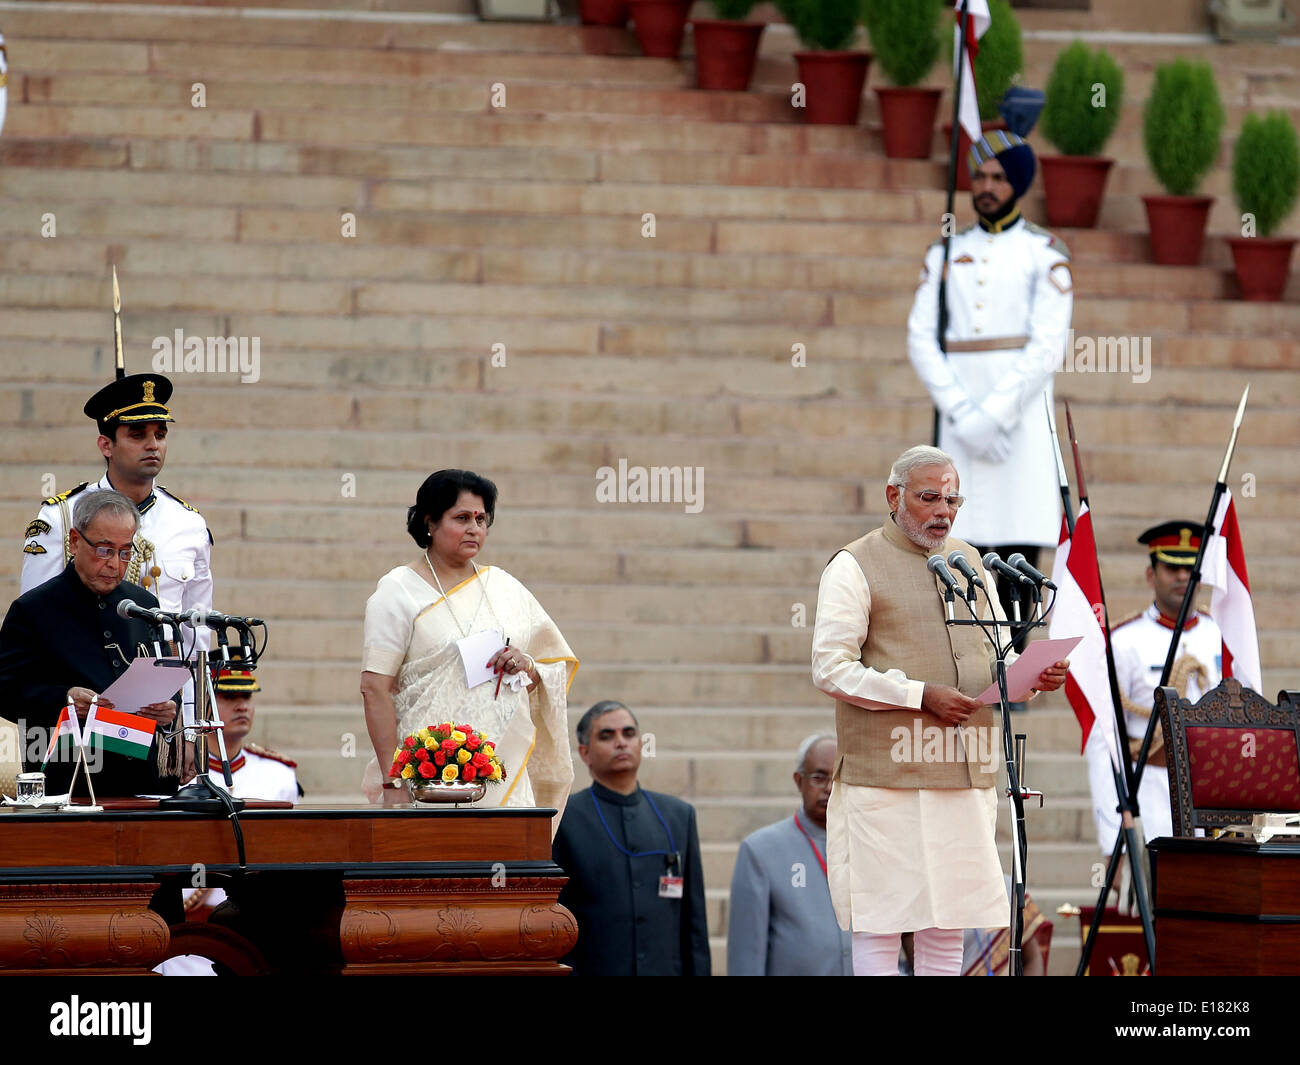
(412,669)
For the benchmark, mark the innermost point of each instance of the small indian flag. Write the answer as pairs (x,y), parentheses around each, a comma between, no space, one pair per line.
(113,730)
(68,725)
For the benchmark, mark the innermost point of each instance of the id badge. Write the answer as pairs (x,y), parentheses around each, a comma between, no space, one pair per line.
(670,887)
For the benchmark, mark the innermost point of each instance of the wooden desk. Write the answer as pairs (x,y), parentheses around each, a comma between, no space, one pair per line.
(325,889)
(1226,907)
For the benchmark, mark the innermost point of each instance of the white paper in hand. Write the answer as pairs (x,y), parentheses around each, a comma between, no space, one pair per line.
(144,684)
(1023,672)
(476,650)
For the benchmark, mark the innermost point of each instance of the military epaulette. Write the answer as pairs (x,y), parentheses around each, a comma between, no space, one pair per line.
(178,499)
(1053,241)
(266,752)
(55,500)
(1131,617)
(36,527)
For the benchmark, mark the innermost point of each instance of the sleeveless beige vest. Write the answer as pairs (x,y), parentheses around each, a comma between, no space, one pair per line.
(912,748)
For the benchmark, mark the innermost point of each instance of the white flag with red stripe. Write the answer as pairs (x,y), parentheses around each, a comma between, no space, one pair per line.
(1077,612)
(977,21)
(1233,610)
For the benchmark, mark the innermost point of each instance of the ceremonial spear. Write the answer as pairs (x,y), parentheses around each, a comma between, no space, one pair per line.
(1124,777)
(117,327)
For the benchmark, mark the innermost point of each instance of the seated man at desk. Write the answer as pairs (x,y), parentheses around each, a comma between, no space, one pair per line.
(63,643)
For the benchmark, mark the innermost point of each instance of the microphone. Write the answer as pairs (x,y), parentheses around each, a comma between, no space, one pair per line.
(936,565)
(128,609)
(214,620)
(957,560)
(1022,564)
(996,565)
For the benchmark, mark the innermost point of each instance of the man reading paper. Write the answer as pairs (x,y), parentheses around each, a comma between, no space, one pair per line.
(63,643)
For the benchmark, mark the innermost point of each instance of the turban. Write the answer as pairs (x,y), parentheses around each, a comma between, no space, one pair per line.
(1011,151)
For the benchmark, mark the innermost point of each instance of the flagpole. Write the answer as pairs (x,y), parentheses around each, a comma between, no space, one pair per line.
(1193,582)
(963,16)
(1125,779)
(1060,466)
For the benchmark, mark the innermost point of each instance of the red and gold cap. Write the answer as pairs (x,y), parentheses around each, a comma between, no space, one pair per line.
(236,678)
(1174,542)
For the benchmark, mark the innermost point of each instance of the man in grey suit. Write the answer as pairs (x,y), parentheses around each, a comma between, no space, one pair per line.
(782,923)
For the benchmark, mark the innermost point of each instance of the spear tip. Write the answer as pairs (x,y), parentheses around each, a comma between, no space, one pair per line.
(117,295)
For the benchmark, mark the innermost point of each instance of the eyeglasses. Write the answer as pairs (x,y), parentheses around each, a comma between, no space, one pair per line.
(104,551)
(930,498)
(818,779)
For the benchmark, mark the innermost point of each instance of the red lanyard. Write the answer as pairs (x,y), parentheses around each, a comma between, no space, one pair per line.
(820,860)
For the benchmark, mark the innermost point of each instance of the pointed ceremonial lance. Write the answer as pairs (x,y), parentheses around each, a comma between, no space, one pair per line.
(1125,778)
(1060,466)
(1193,582)
(117,327)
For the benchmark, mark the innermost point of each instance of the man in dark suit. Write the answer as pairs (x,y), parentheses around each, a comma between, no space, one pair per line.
(63,643)
(635,886)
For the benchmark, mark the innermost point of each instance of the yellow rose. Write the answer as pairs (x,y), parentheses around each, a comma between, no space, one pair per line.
(449,772)
(408,771)
(488,749)
(396,753)
(423,734)
(430,744)
(463,756)
(458,736)
(496,773)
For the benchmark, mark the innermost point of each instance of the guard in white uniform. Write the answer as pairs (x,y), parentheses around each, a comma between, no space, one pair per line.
(1141,644)
(257,773)
(4,80)
(172,545)
(1010,297)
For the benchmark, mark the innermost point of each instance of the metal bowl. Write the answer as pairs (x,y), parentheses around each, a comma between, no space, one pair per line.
(455,791)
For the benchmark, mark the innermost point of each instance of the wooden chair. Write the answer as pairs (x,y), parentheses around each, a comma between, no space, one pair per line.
(1232,755)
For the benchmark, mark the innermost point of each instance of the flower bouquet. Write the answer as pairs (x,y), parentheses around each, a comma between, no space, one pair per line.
(447,763)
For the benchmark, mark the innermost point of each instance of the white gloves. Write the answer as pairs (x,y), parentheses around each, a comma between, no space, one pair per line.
(978,431)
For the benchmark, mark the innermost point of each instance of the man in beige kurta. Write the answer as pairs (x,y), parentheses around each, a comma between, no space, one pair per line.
(910,824)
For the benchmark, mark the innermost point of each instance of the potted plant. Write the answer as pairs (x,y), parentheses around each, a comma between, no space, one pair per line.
(832,77)
(998,63)
(905,42)
(1180,131)
(1265,182)
(603,12)
(727,46)
(1084,96)
(660,25)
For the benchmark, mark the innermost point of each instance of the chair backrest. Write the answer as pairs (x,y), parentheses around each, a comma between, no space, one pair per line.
(1231,755)
(10,756)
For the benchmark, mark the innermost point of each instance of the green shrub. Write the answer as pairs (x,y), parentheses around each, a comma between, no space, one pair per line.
(1181,125)
(904,37)
(828,25)
(733,9)
(1266,169)
(1084,96)
(999,61)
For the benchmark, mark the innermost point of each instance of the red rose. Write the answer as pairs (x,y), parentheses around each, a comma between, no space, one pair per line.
(410,742)
(468,772)
(446,726)
(465,729)
(480,761)
(394,771)
(403,757)
(473,743)
(422,755)
(450,745)
(439,758)
(427,770)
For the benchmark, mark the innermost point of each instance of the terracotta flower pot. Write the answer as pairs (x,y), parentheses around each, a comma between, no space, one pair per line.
(725,52)
(1263,265)
(833,84)
(1074,186)
(1177,225)
(660,25)
(603,12)
(963,149)
(907,121)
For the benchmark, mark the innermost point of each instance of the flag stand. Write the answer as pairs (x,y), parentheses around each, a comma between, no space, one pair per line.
(94,807)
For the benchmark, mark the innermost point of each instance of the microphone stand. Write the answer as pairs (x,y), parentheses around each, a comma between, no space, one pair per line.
(1013,750)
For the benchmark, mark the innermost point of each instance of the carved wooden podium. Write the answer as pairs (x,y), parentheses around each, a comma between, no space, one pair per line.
(324,889)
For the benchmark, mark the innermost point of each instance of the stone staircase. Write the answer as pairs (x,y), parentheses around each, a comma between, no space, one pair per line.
(521,226)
